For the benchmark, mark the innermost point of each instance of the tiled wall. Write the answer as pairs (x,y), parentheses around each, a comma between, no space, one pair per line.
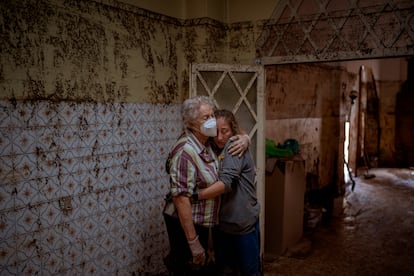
(82,187)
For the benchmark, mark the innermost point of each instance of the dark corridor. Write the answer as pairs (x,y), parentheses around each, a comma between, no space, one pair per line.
(370,233)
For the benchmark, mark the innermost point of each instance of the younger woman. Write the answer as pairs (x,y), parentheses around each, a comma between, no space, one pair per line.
(238,241)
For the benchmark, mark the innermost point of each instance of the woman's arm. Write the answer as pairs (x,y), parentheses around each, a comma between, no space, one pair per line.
(183,205)
(211,192)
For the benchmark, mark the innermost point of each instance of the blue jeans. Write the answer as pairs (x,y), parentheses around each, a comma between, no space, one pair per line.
(239,253)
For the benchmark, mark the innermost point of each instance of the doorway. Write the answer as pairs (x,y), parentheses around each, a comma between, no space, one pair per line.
(313,103)
(240,89)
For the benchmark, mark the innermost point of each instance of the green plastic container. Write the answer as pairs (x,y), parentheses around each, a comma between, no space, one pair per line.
(273,150)
(292,144)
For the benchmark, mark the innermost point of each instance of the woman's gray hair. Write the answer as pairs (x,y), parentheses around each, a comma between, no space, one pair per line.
(191,108)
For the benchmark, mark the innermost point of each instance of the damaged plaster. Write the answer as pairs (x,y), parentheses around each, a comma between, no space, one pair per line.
(85,51)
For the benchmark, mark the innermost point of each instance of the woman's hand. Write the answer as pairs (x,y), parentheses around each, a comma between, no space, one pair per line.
(240,144)
(198,252)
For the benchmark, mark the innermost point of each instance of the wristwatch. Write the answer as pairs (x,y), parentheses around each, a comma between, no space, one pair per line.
(194,196)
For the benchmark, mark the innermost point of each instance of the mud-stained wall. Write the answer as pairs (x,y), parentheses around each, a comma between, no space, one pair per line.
(387,93)
(241,38)
(90,94)
(89,51)
(86,51)
(389,76)
(90,97)
(304,103)
(82,187)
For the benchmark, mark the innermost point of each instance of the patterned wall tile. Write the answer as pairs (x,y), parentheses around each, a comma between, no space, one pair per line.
(46,114)
(83,185)
(69,137)
(5,142)
(26,220)
(26,194)
(24,166)
(24,141)
(6,170)
(28,260)
(50,239)
(7,232)
(5,110)
(8,256)
(73,258)
(49,187)
(18,116)
(70,185)
(69,114)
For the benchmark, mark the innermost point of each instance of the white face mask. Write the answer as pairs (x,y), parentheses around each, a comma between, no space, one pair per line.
(209,128)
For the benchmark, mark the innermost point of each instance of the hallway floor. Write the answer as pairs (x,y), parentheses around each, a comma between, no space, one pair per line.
(371,232)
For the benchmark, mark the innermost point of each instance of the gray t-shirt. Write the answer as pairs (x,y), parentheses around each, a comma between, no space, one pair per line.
(239,209)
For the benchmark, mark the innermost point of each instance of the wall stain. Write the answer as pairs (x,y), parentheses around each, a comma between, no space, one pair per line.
(85,51)
(65,205)
(190,52)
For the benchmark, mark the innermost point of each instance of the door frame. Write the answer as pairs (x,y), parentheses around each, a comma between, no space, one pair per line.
(259,74)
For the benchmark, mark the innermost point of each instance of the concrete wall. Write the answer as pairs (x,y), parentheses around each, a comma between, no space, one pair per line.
(388,77)
(302,100)
(305,102)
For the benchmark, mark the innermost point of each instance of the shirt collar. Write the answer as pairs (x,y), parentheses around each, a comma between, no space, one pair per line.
(203,151)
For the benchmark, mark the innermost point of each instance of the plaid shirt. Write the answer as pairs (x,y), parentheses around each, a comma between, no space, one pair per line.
(191,166)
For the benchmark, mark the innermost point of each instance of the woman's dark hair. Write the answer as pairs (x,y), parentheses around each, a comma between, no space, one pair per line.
(230,119)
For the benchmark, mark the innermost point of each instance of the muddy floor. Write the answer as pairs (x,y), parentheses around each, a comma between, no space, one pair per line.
(371,232)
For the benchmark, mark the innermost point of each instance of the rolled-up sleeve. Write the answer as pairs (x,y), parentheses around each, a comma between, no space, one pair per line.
(182,175)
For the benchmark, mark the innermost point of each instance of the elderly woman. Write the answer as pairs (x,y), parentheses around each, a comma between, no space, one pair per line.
(192,165)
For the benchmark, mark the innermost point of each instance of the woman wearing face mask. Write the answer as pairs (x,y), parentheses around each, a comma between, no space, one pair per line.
(238,240)
(192,165)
